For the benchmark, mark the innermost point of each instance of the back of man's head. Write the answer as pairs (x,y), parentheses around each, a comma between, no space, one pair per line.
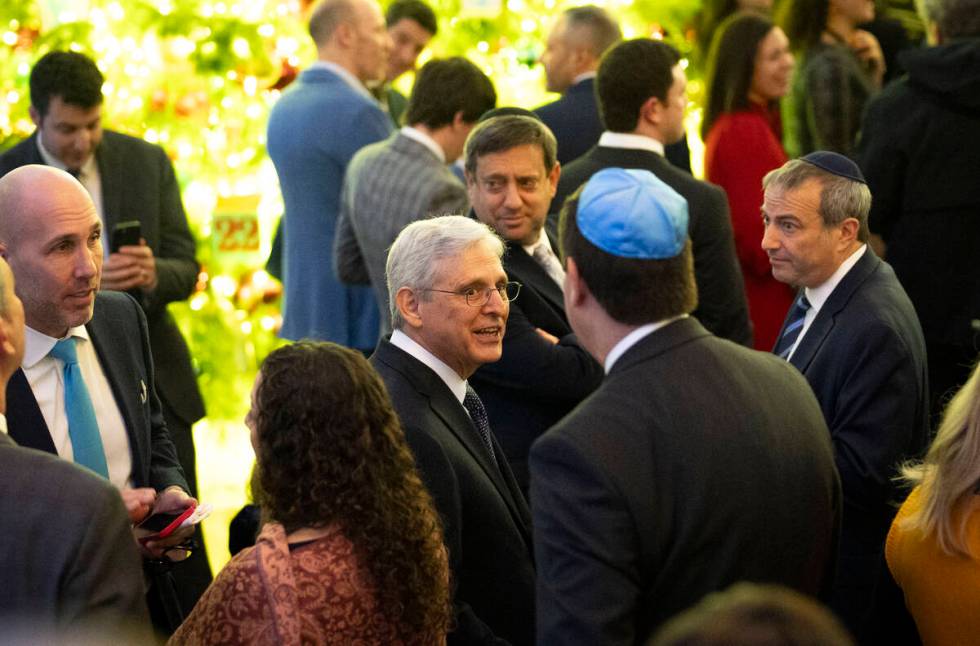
(954,19)
(444,87)
(629,74)
(627,233)
(592,27)
(498,134)
(412,10)
(327,15)
(73,77)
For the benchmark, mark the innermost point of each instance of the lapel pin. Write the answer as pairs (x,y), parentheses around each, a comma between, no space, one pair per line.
(142,391)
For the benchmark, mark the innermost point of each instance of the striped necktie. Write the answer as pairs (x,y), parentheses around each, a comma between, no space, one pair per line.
(474,406)
(793,328)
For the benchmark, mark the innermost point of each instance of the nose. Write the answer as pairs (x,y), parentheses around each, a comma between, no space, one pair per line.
(496,304)
(88,261)
(512,197)
(769,239)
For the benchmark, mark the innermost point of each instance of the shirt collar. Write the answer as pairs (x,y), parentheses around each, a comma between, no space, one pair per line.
(424,139)
(345,76)
(451,378)
(635,337)
(3,423)
(629,140)
(542,241)
(819,294)
(38,345)
(583,77)
(86,169)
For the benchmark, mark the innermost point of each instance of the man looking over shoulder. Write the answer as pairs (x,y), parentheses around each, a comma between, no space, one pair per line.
(411,25)
(70,567)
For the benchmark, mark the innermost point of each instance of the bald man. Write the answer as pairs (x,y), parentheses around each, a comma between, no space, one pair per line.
(80,342)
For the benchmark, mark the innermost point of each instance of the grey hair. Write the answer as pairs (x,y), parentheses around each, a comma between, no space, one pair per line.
(422,244)
(326,16)
(595,26)
(840,197)
(499,134)
(953,18)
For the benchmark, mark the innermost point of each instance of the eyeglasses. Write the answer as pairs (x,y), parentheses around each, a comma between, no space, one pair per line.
(480,296)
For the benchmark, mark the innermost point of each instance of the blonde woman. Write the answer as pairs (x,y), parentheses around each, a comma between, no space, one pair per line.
(933,548)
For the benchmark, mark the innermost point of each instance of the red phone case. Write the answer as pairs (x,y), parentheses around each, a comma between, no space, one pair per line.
(171,528)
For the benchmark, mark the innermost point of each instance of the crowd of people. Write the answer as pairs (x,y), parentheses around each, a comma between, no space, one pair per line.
(546,386)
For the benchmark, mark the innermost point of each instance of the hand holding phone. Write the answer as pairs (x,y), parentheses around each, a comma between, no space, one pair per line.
(162,524)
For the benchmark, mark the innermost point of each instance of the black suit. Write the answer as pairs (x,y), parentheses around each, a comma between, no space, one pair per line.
(865,359)
(722,307)
(66,551)
(696,464)
(118,333)
(574,120)
(486,520)
(536,382)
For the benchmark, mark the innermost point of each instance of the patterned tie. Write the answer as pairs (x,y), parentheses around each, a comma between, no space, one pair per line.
(478,414)
(546,258)
(83,429)
(793,328)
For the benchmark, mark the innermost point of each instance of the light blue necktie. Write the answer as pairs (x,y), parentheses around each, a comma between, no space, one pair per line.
(83,429)
(793,328)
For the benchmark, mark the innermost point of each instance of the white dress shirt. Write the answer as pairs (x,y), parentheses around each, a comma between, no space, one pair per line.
(45,374)
(451,378)
(631,141)
(425,140)
(819,294)
(635,337)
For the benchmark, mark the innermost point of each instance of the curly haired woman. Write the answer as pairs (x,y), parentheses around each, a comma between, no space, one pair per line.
(352,551)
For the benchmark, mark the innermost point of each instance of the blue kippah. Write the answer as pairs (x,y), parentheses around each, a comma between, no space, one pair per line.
(835,164)
(632,214)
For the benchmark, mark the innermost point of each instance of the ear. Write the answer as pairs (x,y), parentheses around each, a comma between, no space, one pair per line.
(345,34)
(651,110)
(458,121)
(553,178)
(408,304)
(849,230)
(35,116)
(576,291)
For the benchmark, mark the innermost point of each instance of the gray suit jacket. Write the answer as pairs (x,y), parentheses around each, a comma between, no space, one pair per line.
(66,551)
(388,185)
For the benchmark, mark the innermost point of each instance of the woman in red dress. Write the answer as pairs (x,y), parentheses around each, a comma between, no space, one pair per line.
(749,70)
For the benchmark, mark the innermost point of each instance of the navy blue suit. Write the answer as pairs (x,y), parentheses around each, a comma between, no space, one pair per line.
(118,332)
(864,357)
(536,382)
(574,120)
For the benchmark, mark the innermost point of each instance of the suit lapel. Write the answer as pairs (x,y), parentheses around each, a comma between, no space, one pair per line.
(24,419)
(827,316)
(445,405)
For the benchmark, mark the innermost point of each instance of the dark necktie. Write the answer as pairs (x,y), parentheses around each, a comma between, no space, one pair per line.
(83,429)
(478,414)
(793,328)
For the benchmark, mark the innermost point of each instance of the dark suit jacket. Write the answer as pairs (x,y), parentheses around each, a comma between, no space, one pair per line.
(118,332)
(722,307)
(697,463)
(536,382)
(138,183)
(866,361)
(574,120)
(486,521)
(66,551)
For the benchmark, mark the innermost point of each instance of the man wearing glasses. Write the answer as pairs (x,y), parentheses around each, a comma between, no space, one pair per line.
(449,300)
(511,175)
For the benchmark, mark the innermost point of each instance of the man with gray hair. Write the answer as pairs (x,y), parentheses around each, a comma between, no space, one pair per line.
(920,151)
(854,335)
(314,129)
(449,300)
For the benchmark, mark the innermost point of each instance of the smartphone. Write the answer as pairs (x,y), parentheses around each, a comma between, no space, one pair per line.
(163,524)
(125,234)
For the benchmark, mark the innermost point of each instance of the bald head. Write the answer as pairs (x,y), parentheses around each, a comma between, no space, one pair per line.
(352,34)
(51,236)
